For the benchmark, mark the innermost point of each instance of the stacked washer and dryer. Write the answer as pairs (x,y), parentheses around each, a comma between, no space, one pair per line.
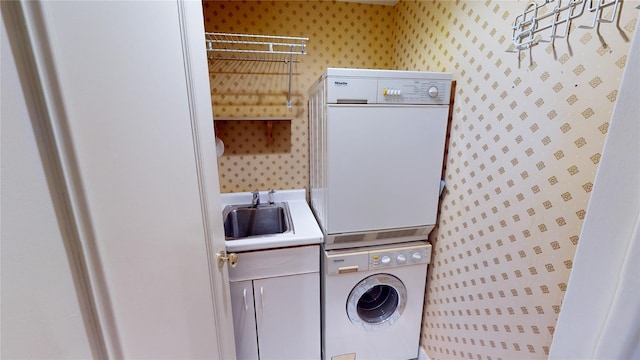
(377,142)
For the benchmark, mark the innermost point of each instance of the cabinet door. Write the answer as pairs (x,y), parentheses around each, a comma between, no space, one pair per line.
(244,320)
(288,317)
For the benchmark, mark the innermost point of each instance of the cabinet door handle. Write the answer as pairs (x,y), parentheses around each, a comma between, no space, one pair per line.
(262,296)
(244,296)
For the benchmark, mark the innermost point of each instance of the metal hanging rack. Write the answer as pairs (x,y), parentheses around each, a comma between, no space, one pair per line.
(265,48)
(528,26)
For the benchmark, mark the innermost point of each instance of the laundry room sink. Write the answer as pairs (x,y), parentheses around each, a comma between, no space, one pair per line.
(241,221)
(278,219)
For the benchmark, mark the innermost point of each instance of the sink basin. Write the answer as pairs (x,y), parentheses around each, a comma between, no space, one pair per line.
(243,221)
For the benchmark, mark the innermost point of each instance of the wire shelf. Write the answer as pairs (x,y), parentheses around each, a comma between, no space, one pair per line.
(265,48)
(247,47)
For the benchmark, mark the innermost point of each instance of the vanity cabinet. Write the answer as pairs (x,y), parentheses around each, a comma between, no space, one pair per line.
(275,298)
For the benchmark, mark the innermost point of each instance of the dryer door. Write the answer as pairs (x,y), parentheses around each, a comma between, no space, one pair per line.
(377,302)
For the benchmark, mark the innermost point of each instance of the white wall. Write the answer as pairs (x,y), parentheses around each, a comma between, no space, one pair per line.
(40,314)
(600,317)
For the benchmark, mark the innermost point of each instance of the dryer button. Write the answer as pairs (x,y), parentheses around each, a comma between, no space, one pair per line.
(385,260)
(401,259)
(375,263)
(416,256)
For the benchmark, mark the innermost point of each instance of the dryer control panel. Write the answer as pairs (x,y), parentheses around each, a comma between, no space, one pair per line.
(397,87)
(413,91)
(339,262)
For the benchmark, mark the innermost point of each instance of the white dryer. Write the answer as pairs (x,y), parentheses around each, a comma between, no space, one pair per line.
(373,299)
(377,140)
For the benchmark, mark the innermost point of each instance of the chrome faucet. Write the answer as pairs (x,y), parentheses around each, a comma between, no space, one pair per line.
(271,192)
(255,200)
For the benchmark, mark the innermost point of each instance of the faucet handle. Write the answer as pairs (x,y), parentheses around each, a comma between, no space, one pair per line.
(255,198)
(271,192)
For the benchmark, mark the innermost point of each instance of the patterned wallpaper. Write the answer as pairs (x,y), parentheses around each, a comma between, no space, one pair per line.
(341,35)
(527,132)
(526,138)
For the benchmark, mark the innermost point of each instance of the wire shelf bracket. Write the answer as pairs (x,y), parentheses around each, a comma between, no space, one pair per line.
(265,48)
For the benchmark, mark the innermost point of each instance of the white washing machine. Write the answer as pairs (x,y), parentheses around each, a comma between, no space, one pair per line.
(373,299)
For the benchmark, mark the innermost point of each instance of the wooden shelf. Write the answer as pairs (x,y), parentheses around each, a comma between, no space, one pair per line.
(251,118)
(268,122)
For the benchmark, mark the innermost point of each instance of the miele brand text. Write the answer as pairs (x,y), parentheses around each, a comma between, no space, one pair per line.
(341,83)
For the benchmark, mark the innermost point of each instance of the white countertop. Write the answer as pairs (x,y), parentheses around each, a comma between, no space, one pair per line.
(305,228)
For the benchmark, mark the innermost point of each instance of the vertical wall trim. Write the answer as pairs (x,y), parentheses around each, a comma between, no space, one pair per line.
(195,133)
(50,123)
(206,185)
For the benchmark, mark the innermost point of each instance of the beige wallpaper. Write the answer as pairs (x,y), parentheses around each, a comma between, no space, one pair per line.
(341,35)
(526,138)
(525,144)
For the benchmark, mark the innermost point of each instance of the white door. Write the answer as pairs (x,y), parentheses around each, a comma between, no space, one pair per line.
(383,166)
(120,97)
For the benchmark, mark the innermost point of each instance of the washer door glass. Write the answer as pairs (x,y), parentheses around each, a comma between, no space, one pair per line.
(377,302)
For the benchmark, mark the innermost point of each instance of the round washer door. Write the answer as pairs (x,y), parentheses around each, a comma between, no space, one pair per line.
(376,302)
